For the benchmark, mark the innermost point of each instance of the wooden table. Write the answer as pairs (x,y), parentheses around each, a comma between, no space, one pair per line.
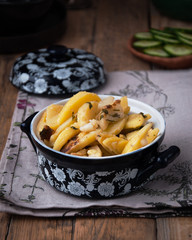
(104,30)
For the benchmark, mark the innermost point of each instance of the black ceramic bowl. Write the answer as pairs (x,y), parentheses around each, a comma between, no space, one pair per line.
(102,177)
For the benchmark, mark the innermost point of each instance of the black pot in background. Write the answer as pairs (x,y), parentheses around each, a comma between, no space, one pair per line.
(17,15)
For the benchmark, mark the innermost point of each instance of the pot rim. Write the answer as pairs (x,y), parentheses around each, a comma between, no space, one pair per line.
(133,103)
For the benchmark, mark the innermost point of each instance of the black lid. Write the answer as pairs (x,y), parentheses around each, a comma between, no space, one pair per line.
(57,70)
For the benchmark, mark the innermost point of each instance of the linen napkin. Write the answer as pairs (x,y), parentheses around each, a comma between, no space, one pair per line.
(169,193)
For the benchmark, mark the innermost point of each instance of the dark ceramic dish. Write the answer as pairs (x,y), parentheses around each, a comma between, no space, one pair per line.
(103,177)
(24,9)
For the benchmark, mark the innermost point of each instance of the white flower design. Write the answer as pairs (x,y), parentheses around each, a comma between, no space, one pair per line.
(40,86)
(41,60)
(89,83)
(55,89)
(90,187)
(70,87)
(133,173)
(103,173)
(76,188)
(28,87)
(59,174)
(23,78)
(106,189)
(62,73)
(33,67)
(127,188)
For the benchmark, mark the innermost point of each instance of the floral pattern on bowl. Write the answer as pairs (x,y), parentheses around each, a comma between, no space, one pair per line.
(99,184)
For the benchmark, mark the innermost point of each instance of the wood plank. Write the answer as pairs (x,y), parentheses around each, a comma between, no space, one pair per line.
(4,224)
(114,228)
(179,228)
(79,31)
(8,95)
(116,21)
(24,227)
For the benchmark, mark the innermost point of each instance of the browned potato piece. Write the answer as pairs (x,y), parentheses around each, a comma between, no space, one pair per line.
(136,142)
(65,136)
(79,142)
(136,120)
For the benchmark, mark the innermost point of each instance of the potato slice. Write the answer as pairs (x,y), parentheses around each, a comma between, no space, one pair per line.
(136,142)
(151,135)
(52,114)
(136,120)
(115,144)
(74,103)
(82,153)
(79,142)
(124,105)
(41,123)
(65,136)
(62,127)
(94,151)
(116,127)
(131,134)
(87,112)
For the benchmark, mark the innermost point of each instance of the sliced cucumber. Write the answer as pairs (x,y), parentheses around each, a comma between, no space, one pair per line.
(185,35)
(178,49)
(146,43)
(143,36)
(161,33)
(166,40)
(158,52)
(175,30)
(185,41)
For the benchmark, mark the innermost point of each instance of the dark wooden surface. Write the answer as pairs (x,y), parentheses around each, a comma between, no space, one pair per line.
(103,29)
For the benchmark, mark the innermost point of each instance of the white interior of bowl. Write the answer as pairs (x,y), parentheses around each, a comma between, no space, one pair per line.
(136,107)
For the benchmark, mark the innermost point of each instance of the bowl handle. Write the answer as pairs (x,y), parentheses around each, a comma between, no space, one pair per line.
(162,160)
(25,127)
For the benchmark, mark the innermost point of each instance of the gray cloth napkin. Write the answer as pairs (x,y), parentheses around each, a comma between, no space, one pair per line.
(169,193)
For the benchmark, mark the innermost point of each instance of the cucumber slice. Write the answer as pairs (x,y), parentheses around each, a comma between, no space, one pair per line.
(178,49)
(158,52)
(143,36)
(175,30)
(146,43)
(161,33)
(166,40)
(185,41)
(185,35)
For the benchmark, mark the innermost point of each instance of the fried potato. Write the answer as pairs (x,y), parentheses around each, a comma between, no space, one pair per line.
(94,151)
(151,135)
(65,136)
(116,127)
(79,142)
(74,103)
(86,112)
(124,105)
(136,142)
(91,127)
(41,123)
(52,115)
(136,120)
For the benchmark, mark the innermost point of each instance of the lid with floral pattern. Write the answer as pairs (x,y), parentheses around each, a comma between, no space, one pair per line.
(57,70)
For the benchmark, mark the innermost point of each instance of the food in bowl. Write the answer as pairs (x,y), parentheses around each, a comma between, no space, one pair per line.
(93,127)
(99,177)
